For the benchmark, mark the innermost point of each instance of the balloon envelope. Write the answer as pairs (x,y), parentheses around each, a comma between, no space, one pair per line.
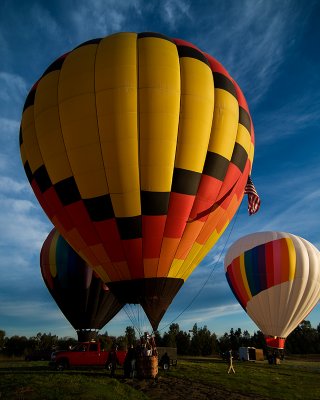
(276,278)
(83,298)
(138,148)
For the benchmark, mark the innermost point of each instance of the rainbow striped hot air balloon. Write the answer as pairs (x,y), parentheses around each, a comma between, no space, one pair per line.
(138,147)
(276,278)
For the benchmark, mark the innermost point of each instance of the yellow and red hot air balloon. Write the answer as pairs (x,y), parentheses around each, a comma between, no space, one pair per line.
(138,148)
(82,297)
(276,278)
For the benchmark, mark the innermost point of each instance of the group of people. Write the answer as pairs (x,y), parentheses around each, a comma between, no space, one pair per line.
(145,348)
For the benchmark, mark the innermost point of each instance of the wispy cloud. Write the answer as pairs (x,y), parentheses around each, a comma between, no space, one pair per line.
(293,118)
(29,309)
(251,39)
(13,91)
(46,23)
(22,225)
(175,11)
(10,186)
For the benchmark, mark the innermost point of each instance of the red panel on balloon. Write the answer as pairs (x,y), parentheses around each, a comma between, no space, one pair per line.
(152,234)
(180,206)
(109,234)
(133,252)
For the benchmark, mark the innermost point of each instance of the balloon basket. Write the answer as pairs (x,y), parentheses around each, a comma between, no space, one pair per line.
(87,335)
(147,367)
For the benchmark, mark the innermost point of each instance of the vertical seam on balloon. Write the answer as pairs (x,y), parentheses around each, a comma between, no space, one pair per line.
(174,162)
(58,104)
(316,288)
(191,263)
(105,174)
(139,141)
(180,268)
(267,247)
(231,192)
(292,285)
(283,325)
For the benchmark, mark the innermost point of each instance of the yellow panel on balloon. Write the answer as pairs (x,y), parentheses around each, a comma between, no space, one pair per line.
(224,124)
(159,107)
(197,103)
(187,264)
(292,255)
(116,62)
(30,141)
(79,115)
(175,268)
(244,138)
(77,73)
(46,96)
(116,87)
(48,128)
(203,252)
(58,167)
(123,206)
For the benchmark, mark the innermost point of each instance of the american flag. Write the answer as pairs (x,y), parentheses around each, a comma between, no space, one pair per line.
(253,197)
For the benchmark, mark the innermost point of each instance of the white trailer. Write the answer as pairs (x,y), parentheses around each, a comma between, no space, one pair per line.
(250,354)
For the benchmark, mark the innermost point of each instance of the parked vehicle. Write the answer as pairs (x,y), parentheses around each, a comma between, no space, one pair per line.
(250,354)
(167,357)
(84,354)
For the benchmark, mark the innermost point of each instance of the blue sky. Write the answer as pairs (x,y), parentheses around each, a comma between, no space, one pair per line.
(270,48)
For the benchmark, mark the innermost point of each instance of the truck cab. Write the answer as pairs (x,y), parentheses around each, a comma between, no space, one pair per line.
(83,354)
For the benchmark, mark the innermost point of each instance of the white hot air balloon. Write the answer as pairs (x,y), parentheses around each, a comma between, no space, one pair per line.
(276,278)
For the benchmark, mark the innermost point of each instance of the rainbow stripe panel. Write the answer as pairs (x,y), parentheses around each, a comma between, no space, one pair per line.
(260,268)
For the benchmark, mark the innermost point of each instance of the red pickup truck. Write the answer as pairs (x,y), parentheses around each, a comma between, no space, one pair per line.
(84,354)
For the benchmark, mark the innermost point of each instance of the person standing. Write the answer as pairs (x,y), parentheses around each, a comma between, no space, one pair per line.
(113,361)
(230,363)
(130,363)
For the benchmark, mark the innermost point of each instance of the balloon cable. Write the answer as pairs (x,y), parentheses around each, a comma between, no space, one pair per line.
(207,279)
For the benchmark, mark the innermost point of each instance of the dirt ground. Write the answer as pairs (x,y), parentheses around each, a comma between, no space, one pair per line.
(170,388)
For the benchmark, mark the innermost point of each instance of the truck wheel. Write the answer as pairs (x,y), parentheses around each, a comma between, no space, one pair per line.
(108,366)
(165,367)
(61,365)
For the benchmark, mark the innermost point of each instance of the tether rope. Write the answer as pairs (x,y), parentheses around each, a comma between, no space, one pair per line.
(207,279)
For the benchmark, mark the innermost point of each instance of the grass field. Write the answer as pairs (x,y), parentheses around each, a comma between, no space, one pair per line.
(293,379)
(296,379)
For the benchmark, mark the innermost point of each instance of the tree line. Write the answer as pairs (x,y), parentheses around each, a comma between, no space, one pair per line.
(199,341)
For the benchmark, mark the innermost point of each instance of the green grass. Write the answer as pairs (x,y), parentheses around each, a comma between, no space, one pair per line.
(34,380)
(293,379)
(289,380)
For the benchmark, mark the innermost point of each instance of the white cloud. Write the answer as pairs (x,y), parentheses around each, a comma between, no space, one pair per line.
(101,17)
(30,309)
(175,11)
(251,39)
(8,127)
(45,21)
(279,124)
(22,227)
(10,186)
(13,91)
